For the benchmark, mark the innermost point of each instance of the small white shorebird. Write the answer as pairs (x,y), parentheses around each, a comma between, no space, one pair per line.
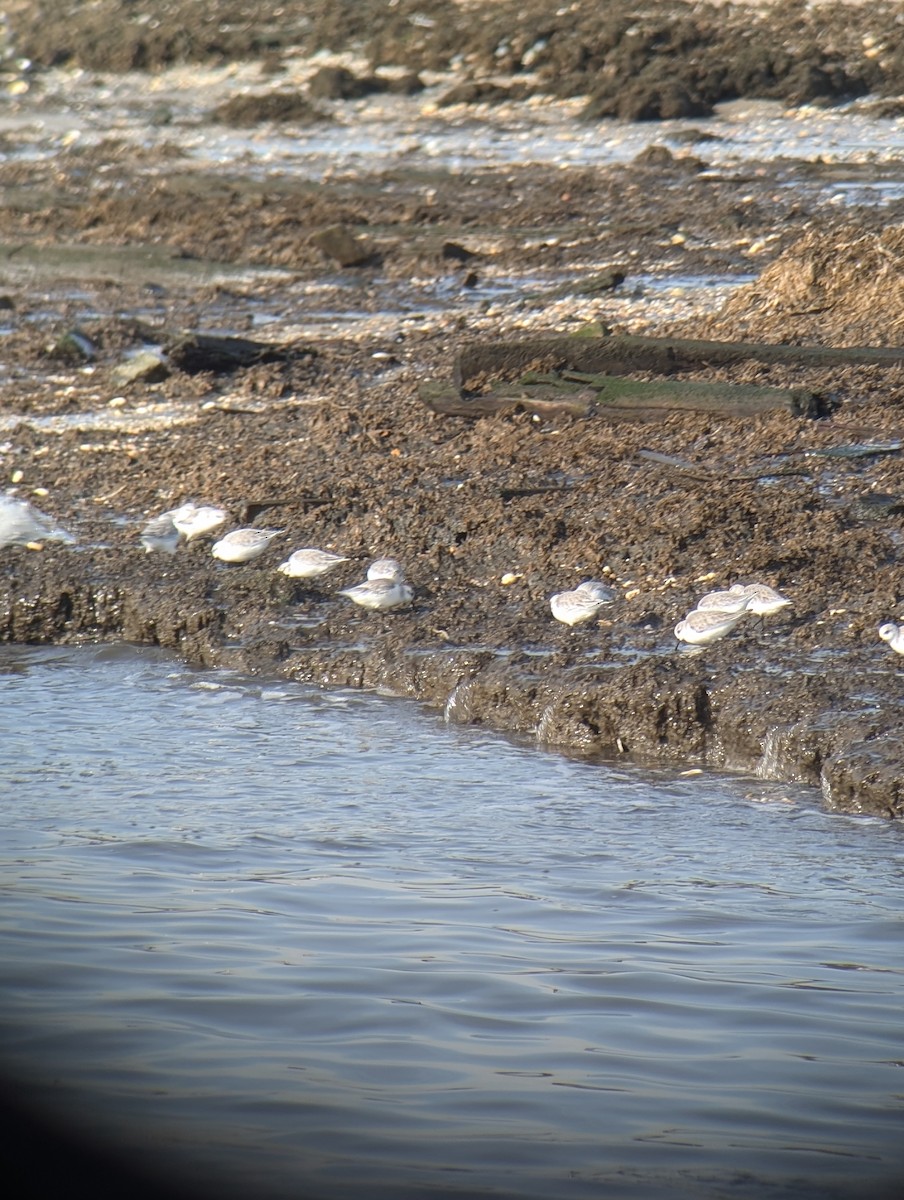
(894,635)
(700,628)
(380,594)
(242,545)
(732,601)
(21,524)
(763,600)
(160,534)
(193,522)
(386,568)
(582,604)
(310,562)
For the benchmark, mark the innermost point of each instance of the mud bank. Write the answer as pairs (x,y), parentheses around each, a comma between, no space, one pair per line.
(742,705)
(490,516)
(114,249)
(638,61)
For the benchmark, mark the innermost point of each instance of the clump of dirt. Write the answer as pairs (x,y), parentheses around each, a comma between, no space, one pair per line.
(339,83)
(270,106)
(840,287)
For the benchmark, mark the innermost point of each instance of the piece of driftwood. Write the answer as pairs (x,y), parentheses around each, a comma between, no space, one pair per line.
(591,285)
(448,401)
(623,354)
(859,450)
(616,398)
(540,489)
(615,393)
(706,472)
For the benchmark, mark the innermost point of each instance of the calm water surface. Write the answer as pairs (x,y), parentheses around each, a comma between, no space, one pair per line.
(289,942)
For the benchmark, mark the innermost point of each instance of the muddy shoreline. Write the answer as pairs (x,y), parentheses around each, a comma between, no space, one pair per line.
(327,434)
(638,61)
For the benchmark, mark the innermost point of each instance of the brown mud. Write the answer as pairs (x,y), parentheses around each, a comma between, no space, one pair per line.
(645,60)
(328,437)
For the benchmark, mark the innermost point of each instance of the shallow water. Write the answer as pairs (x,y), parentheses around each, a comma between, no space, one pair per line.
(286,941)
(70,107)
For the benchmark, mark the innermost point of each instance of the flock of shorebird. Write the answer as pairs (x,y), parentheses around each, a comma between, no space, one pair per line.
(383,588)
(715,615)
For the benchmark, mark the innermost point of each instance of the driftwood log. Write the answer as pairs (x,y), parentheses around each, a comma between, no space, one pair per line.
(622,354)
(616,396)
(578,375)
(616,399)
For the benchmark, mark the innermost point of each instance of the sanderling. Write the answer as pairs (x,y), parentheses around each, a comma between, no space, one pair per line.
(310,562)
(699,628)
(242,545)
(386,568)
(183,512)
(894,635)
(762,599)
(160,534)
(21,524)
(380,593)
(593,587)
(735,600)
(581,604)
(193,522)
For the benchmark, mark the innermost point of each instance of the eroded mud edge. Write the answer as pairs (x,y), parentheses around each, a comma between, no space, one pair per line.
(665,710)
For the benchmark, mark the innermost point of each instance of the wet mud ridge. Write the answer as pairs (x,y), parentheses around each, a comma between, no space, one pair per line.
(465,371)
